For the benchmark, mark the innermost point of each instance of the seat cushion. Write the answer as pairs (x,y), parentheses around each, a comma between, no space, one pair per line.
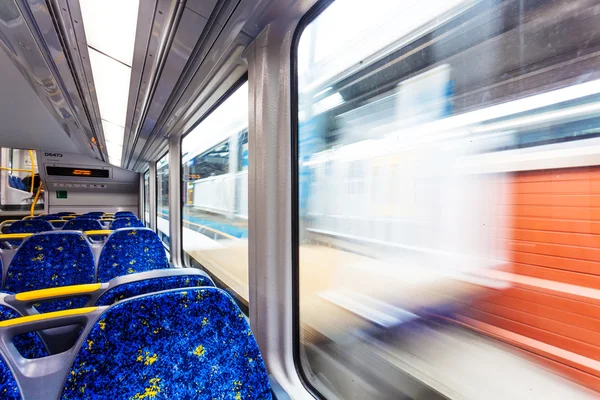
(182,344)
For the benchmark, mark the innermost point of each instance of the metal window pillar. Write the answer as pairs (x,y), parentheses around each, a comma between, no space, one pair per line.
(175,199)
(152,195)
(270,202)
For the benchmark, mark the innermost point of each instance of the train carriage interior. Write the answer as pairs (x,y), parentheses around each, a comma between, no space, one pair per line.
(298,199)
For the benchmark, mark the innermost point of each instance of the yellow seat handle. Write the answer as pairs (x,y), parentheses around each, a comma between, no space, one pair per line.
(61,291)
(47,316)
(98,232)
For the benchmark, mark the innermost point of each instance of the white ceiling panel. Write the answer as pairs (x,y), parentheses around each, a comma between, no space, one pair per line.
(110,26)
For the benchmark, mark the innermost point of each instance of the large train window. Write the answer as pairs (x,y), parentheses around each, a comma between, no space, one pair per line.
(147,198)
(215,209)
(447,198)
(162,199)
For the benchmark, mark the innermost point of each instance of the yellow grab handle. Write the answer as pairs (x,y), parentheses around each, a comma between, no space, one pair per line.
(60,291)
(51,315)
(7,236)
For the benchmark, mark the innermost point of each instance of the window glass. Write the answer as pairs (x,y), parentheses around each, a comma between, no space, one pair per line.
(20,180)
(147,198)
(446,198)
(215,209)
(162,200)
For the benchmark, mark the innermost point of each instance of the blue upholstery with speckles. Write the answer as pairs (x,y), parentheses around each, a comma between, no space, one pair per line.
(65,213)
(9,390)
(120,214)
(131,250)
(88,216)
(29,344)
(182,344)
(48,217)
(50,260)
(152,285)
(28,226)
(120,223)
(60,304)
(82,224)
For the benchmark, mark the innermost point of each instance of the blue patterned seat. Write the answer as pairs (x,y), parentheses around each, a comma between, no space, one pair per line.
(28,226)
(131,250)
(120,223)
(50,260)
(9,390)
(88,216)
(120,214)
(48,217)
(82,224)
(63,213)
(180,344)
(151,285)
(29,344)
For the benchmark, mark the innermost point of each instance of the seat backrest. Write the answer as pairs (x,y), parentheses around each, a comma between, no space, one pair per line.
(89,216)
(29,345)
(8,384)
(127,222)
(49,260)
(131,250)
(179,344)
(124,214)
(48,217)
(29,226)
(154,284)
(82,224)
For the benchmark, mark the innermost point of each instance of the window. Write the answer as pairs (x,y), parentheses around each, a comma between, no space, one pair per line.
(162,200)
(215,209)
(443,189)
(147,198)
(19,180)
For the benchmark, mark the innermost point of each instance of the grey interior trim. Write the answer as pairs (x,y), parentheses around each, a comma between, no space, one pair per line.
(27,44)
(152,194)
(167,15)
(270,203)
(68,17)
(175,201)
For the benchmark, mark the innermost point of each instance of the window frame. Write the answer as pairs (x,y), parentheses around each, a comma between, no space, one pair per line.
(306,19)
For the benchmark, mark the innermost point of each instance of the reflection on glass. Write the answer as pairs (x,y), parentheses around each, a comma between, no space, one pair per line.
(162,200)
(447,199)
(215,178)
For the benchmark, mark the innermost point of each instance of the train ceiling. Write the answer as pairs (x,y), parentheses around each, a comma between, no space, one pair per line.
(171,59)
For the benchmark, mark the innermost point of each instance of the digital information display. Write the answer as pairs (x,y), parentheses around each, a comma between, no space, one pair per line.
(79,172)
